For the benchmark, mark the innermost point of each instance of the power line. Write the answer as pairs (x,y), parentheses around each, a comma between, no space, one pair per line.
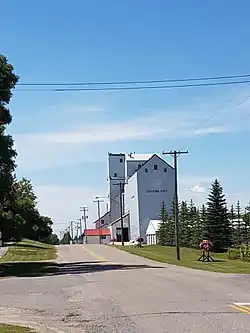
(195,85)
(206,78)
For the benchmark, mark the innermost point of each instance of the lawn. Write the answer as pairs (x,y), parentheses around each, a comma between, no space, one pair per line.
(28,258)
(189,258)
(28,250)
(14,329)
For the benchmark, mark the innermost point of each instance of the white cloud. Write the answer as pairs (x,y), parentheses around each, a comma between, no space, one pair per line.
(198,189)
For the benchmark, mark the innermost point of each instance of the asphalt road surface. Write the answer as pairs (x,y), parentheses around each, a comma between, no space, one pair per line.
(99,289)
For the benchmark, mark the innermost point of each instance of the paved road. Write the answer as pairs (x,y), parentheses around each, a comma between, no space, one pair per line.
(100,289)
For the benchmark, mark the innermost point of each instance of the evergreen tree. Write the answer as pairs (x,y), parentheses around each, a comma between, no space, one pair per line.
(162,232)
(191,222)
(171,226)
(232,217)
(203,218)
(66,238)
(197,230)
(239,239)
(246,226)
(217,224)
(183,221)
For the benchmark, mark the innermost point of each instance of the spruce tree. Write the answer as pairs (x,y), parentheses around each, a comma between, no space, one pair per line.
(183,222)
(203,218)
(246,219)
(171,226)
(162,232)
(191,222)
(232,217)
(239,239)
(197,230)
(217,224)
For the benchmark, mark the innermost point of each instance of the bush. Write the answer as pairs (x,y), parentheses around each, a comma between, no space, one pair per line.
(233,254)
(244,253)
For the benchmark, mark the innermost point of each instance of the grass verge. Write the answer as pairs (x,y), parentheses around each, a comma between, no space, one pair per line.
(15,329)
(189,258)
(28,258)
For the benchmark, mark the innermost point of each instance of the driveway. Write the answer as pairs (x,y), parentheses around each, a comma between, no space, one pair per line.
(100,289)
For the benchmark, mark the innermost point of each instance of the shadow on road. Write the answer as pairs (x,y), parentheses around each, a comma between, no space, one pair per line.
(29,269)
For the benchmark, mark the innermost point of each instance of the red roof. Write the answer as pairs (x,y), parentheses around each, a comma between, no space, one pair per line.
(97,232)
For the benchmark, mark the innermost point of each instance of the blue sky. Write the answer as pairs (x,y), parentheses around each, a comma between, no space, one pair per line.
(63,138)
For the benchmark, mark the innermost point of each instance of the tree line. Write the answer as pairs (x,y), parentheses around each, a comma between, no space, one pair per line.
(19,215)
(225,227)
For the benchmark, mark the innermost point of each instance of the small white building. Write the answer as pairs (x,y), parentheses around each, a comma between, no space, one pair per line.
(147,181)
(151,232)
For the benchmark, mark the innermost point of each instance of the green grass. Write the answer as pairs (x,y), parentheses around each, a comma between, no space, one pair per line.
(27,258)
(28,250)
(189,258)
(14,329)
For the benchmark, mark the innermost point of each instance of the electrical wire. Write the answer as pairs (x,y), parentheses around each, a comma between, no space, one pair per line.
(195,85)
(206,78)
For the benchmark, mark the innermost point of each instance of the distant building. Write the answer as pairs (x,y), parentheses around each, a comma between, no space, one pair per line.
(92,236)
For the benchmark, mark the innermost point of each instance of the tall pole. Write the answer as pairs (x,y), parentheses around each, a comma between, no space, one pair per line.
(80,228)
(84,217)
(121,184)
(176,154)
(98,201)
(72,233)
(121,211)
(77,229)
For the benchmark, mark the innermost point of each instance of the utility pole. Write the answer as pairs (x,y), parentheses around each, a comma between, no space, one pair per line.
(84,209)
(176,154)
(121,185)
(121,209)
(77,229)
(98,201)
(71,227)
(80,227)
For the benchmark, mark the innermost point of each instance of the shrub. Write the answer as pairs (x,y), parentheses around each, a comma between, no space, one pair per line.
(244,253)
(233,254)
